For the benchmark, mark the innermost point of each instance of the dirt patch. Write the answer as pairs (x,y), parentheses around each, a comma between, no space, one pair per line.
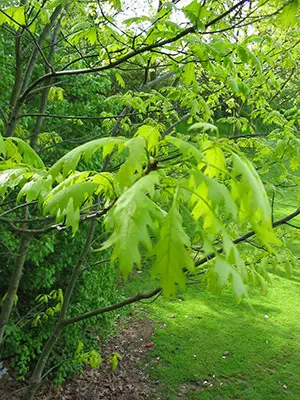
(128,382)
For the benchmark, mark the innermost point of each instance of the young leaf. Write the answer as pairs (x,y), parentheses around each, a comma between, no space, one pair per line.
(67,202)
(253,199)
(151,135)
(233,85)
(187,149)
(10,178)
(252,187)
(133,166)
(204,127)
(120,80)
(217,193)
(114,360)
(223,271)
(17,17)
(36,188)
(56,93)
(188,75)
(172,252)
(216,161)
(94,359)
(130,220)
(29,156)
(69,162)
(2,146)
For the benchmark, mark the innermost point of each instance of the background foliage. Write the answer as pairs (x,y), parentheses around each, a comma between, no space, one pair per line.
(176,130)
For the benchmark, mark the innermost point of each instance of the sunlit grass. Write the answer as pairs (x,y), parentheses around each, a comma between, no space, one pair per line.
(193,336)
(210,347)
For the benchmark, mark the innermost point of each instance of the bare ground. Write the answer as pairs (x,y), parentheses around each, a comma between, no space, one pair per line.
(129,382)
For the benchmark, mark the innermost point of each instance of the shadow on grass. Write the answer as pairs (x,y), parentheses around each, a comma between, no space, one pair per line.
(207,347)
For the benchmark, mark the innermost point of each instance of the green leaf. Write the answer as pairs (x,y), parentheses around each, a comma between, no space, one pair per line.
(29,156)
(91,35)
(233,85)
(188,74)
(69,162)
(133,166)
(10,178)
(255,61)
(114,360)
(38,187)
(249,191)
(215,160)
(243,53)
(17,15)
(56,93)
(79,349)
(130,220)
(137,20)
(116,4)
(223,271)
(151,135)
(72,178)
(195,12)
(67,202)
(288,16)
(2,146)
(252,187)
(203,127)
(172,252)
(217,193)
(94,359)
(187,149)
(120,80)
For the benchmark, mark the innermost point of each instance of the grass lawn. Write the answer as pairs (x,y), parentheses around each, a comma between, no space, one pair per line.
(206,347)
(210,347)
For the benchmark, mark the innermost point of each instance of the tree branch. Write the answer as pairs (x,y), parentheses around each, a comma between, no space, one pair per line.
(116,306)
(34,55)
(148,295)
(243,238)
(60,226)
(45,93)
(14,280)
(131,54)
(67,116)
(3,116)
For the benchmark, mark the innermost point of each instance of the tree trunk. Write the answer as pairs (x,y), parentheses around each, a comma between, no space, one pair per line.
(14,284)
(36,376)
(44,99)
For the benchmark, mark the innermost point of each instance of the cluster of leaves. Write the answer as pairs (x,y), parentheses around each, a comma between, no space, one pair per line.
(144,199)
(194,101)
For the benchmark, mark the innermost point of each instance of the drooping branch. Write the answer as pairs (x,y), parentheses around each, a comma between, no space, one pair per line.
(148,295)
(247,235)
(63,322)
